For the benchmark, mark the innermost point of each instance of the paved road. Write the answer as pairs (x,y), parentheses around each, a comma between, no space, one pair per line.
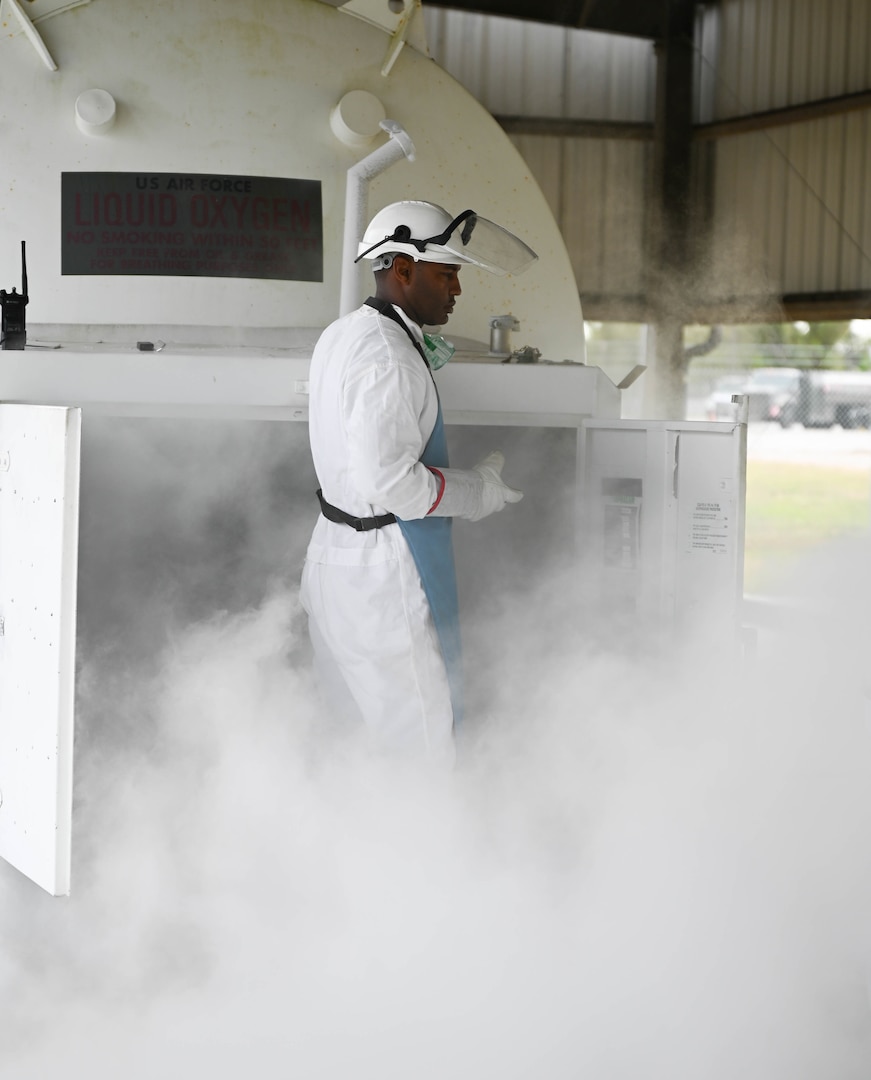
(832,447)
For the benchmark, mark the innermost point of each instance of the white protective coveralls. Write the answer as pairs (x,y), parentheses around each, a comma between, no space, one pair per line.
(373,407)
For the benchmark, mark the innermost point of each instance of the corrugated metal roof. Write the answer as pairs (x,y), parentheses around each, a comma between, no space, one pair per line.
(526,69)
(784,196)
(772,54)
(592,188)
(797,199)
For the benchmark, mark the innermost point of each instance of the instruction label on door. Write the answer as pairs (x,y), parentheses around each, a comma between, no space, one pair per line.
(707,527)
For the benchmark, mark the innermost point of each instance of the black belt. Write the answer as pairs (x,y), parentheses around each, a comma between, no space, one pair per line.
(333,513)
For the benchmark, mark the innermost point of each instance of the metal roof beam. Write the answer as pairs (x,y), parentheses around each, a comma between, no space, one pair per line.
(736,125)
(792,114)
(633,18)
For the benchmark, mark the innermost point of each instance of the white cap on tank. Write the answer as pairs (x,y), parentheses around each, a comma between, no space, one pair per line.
(356,120)
(95,112)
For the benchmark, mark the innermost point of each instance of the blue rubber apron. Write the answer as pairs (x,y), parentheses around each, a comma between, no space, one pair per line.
(430,541)
(431,546)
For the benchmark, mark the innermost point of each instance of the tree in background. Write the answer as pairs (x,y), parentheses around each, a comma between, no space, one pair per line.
(818,344)
(615,347)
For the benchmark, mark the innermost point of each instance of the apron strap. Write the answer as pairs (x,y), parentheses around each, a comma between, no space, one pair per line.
(389,312)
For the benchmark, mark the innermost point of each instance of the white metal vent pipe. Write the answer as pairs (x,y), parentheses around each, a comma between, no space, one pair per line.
(398,146)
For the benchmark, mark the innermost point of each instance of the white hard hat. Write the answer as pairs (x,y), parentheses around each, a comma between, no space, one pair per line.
(426,232)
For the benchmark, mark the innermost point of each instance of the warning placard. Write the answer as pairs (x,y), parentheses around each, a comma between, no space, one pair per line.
(191,225)
(707,527)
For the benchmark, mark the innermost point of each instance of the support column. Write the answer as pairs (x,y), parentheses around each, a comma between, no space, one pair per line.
(669,254)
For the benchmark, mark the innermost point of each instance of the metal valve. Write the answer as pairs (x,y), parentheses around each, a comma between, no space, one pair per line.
(500,327)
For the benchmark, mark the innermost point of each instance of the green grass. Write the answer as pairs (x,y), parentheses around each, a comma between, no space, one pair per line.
(792,509)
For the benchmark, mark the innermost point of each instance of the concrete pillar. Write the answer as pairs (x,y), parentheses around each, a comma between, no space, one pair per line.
(669,240)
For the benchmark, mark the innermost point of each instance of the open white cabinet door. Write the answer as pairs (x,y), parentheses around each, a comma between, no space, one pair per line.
(663,509)
(39,514)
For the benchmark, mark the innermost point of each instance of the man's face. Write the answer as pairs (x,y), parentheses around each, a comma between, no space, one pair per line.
(431,291)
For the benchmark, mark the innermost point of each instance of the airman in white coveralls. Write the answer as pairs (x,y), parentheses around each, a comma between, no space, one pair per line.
(378,582)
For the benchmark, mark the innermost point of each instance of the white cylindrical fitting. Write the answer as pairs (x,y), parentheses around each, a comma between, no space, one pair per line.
(356,120)
(95,112)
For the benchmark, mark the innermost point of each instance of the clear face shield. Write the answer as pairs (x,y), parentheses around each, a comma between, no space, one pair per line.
(468,239)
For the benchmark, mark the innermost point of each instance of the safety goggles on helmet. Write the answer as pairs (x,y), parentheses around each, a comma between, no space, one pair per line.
(468,238)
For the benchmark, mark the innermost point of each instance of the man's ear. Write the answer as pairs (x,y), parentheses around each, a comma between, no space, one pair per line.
(403,268)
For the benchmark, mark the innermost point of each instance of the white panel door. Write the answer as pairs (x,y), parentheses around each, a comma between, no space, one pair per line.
(39,510)
(662,506)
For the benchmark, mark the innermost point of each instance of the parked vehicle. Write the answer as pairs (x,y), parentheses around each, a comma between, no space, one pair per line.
(824,398)
(771,391)
(718,404)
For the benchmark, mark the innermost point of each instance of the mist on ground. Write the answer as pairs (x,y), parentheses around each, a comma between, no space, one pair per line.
(648,862)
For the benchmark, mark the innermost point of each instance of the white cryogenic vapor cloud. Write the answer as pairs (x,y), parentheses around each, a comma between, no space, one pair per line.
(654,870)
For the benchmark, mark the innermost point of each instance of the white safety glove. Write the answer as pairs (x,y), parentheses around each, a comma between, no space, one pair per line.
(476,493)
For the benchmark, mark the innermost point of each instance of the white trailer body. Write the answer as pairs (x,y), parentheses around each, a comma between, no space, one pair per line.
(825,398)
(179,174)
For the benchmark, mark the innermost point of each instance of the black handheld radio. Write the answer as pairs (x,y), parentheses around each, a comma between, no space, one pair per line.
(14,332)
